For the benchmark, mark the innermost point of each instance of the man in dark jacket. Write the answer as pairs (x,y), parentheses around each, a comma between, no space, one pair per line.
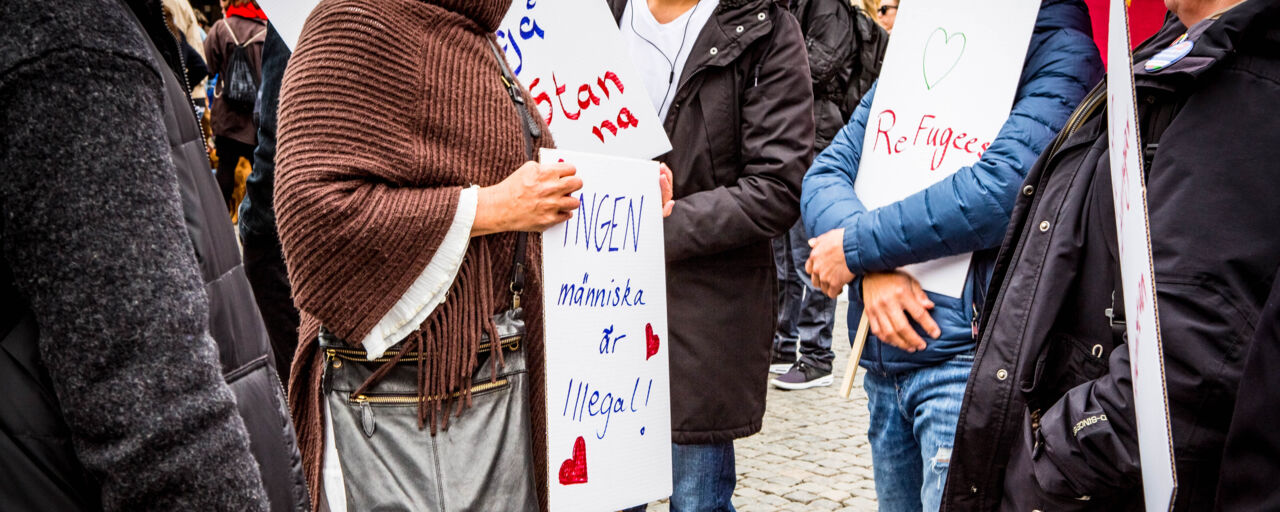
(915,387)
(1251,459)
(1050,358)
(837,55)
(740,118)
(114,398)
(263,260)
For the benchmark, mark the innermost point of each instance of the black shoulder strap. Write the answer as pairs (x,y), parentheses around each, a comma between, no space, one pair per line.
(531,132)
(1156,122)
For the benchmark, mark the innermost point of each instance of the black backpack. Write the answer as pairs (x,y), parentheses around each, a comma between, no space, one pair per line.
(869,39)
(872,41)
(238,83)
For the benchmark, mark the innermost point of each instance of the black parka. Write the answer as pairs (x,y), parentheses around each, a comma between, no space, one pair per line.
(1251,459)
(1048,420)
(741,124)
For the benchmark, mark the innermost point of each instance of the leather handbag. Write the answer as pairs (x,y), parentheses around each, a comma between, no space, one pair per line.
(482,461)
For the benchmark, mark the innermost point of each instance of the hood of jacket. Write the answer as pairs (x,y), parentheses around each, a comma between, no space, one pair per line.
(486,13)
(1253,23)
(1060,14)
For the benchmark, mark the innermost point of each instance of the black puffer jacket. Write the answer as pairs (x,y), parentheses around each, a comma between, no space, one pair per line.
(1048,420)
(829,35)
(845,51)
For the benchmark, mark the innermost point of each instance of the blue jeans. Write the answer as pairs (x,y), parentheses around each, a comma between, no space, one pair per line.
(817,311)
(913,418)
(806,316)
(703,478)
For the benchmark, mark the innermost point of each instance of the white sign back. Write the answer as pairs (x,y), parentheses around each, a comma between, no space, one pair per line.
(1146,356)
(608,394)
(948,83)
(288,16)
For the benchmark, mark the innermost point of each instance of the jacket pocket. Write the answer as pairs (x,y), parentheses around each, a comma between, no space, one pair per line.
(1064,363)
(367,404)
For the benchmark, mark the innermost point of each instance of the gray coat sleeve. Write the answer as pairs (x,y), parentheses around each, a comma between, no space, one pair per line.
(94,234)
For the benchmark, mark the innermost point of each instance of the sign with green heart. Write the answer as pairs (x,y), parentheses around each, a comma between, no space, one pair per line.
(949,78)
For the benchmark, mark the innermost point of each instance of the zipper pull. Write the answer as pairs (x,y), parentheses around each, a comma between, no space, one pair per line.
(531,126)
(976,314)
(326,375)
(511,90)
(366,415)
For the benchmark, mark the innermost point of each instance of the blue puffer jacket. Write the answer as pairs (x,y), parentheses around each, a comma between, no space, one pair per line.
(966,212)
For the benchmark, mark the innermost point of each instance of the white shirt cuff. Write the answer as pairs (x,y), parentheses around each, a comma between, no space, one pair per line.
(429,290)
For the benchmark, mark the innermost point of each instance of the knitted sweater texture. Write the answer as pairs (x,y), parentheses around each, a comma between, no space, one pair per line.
(388,109)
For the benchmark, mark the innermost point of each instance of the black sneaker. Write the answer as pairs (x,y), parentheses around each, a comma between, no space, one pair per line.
(803,376)
(780,362)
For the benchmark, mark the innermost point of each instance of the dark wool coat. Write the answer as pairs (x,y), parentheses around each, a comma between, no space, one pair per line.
(1049,362)
(124,406)
(741,123)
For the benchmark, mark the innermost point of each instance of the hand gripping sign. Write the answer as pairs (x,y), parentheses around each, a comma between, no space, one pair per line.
(1146,357)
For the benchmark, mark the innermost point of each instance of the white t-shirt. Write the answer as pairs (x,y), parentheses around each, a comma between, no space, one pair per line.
(660,50)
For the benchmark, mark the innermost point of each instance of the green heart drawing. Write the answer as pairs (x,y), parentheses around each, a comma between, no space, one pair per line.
(946,45)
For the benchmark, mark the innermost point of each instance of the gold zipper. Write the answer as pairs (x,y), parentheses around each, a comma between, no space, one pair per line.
(1082,114)
(349,354)
(413,400)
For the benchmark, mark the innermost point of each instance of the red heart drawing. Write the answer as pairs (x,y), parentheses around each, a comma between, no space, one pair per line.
(651,342)
(574,470)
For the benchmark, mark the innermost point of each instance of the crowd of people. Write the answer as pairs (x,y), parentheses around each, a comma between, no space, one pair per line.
(366,334)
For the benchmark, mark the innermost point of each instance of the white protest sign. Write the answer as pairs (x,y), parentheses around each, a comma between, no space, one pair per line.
(571,56)
(1146,356)
(287,16)
(948,83)
(608,394)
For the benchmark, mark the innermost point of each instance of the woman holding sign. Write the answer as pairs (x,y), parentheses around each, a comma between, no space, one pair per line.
(405,194)
(731,81)
(922,349)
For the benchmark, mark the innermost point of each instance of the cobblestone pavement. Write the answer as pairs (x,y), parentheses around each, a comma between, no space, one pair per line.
(812,453)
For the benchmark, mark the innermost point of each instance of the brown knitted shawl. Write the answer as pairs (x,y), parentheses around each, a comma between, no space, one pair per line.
(388,109)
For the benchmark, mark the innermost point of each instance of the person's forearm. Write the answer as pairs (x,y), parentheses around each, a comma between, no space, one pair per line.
(492,212)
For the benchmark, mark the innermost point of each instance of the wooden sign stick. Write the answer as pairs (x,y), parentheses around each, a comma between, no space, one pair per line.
(855,355)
